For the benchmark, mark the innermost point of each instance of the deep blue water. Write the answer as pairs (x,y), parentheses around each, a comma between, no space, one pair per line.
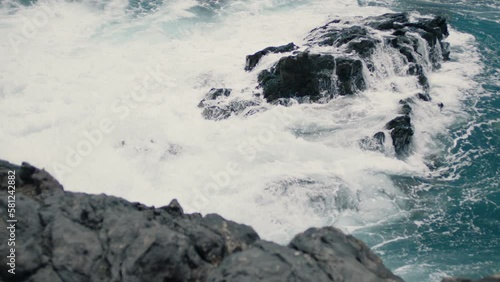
(460,234)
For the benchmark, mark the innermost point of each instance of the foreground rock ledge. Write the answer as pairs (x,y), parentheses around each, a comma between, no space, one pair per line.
(66,236)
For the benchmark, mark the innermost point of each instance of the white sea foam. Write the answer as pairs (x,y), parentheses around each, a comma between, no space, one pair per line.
(91,62)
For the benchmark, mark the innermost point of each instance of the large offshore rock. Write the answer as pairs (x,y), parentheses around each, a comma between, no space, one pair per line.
(356,38)
(312,75)
(321,76)
(64,236)
(213,95)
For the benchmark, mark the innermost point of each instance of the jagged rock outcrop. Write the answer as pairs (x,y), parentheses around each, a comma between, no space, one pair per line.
(253,60)
(324,254)
(338,58)
(401,134)
(213,95)
(311,75)
(494,278)
(66,236)
(358,42)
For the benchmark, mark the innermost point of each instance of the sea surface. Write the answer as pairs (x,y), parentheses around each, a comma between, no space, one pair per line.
(103,94)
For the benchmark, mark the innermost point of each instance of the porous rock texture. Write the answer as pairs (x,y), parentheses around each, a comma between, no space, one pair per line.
(67,236)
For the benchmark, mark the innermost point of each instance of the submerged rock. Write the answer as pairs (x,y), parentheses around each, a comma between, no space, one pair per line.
(354,260)
(424,97)
(324,254)
(321,76)
(375,143)
(80,237)
(418,71)
(214,94)
(401,134)
(405,107)
(225,110)
(217,106)
(70,236)
(298,76)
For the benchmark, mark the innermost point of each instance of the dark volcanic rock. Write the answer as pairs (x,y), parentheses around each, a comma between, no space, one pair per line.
(494,278)
(432,30)
(253,60)
(401,134)
(79,237)
(356,38)
(224,110)
(213,95)
(405,108)
(338,37)
(311,75)
(354,261)
(324,254)
(349,76)
(65,236)
(216,106)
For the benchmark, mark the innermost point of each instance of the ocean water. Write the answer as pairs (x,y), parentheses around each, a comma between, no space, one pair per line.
(104,94)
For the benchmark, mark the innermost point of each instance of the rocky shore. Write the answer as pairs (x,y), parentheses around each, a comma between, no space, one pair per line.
(67,236)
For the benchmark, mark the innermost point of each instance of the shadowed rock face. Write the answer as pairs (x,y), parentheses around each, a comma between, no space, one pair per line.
(80,237)
(311,75)
(253,60)
(401,134)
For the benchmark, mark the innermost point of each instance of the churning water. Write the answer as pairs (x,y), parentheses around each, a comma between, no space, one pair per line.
(103,94)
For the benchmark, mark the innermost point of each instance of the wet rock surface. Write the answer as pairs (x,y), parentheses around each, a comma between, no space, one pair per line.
(338,58)
(70,236)
(310,75)
(253,60)
(217,106)
(401,134)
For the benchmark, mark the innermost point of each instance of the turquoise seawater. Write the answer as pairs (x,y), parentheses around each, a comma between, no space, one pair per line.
(453,223)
